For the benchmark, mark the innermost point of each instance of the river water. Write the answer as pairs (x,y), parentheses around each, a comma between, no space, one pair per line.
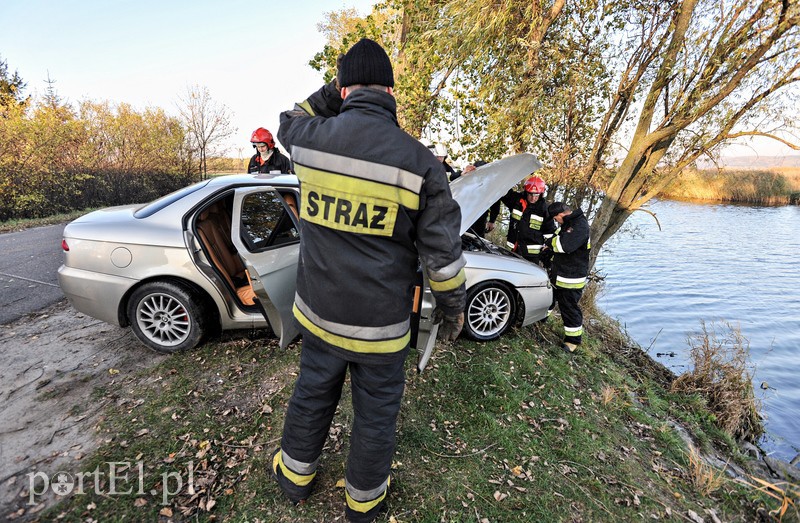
(715,263)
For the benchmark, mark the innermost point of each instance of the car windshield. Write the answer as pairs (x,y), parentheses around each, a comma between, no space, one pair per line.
(155,206)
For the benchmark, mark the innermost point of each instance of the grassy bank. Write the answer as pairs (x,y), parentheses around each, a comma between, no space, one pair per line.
(778,186)
(29,223)
(508,431)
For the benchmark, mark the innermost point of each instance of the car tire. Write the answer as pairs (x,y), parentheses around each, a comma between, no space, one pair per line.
(166,316)
(490,311)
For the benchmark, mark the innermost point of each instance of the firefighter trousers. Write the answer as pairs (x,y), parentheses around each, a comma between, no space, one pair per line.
(571,313)
(377,390)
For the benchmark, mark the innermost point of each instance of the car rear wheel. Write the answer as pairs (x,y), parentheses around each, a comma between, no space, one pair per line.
(166,316)
(490,311)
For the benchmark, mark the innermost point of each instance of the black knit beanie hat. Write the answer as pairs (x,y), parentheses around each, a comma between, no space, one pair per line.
(366,63)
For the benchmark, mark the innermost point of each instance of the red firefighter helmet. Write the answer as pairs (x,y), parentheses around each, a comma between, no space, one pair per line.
(535,184)
(263,136)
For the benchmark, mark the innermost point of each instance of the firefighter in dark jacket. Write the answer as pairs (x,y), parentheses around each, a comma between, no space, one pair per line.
(374,203)
(529,224)
(268,158)
(570,247)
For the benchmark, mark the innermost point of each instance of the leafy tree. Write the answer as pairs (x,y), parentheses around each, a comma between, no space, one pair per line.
(616,96)
(11,86)
(208,123)
(708,71)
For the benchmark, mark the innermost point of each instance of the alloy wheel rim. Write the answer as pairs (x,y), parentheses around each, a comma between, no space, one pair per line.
(163,319)
(489,311)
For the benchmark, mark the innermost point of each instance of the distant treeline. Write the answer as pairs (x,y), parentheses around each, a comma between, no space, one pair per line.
(779,186)
(55,158)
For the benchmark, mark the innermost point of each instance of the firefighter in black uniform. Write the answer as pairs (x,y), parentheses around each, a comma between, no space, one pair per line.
(529,225)
(267,158)
(374,203)
(571,247)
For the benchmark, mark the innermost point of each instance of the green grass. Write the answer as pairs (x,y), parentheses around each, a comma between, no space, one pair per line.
(509,431)
(29,223)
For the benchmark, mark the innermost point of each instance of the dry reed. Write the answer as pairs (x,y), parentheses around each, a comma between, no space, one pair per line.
(722,376)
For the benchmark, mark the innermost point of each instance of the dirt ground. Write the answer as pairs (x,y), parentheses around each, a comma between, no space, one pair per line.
(56,363)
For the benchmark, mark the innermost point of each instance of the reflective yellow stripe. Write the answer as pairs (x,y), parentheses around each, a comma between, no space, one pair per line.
(570,283)
(306,107)
(366,506)
(449,285)
(357,186)
(347,212)
(300,480)
(352,344)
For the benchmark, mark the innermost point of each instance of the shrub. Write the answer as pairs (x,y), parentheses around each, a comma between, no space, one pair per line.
(721,375)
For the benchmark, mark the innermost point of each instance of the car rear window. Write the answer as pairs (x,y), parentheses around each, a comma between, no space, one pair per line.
(165,201)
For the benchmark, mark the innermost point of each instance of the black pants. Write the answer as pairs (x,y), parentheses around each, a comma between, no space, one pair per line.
(377,390)
(571,313)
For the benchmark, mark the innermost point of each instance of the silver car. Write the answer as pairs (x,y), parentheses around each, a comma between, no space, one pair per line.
(222,254)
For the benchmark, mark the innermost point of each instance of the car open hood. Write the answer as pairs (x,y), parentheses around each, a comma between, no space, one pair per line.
(478,190)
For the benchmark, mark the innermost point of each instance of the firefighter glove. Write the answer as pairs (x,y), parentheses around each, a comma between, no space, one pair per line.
(450,326)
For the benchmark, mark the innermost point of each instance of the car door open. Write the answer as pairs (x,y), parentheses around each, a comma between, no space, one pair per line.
(265,233)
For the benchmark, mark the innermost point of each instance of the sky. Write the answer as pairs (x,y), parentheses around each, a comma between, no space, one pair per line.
(252,56)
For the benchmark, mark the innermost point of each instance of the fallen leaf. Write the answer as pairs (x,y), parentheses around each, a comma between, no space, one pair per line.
(517,471)
(91,506)
(166,512)
(142,433)
(694,517)
(113,371)
(340,483)
(140,502)
(499,496)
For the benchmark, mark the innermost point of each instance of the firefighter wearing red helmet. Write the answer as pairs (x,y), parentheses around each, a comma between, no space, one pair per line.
(267,159)
(529,224)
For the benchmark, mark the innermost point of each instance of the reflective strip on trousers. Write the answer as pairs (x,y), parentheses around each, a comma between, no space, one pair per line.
(365,500)
(299,473)
(570,283)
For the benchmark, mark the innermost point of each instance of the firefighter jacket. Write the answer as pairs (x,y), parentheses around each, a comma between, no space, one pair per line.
(374,203)
(571,248)
(275,162)
(529,225)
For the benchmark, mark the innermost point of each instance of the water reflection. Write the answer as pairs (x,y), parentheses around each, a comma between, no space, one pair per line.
(715,263)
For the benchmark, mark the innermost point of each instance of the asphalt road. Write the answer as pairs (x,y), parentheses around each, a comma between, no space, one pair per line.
(29,261)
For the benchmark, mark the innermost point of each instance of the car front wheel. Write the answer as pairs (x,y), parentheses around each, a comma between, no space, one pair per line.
(166,317)
(490,311)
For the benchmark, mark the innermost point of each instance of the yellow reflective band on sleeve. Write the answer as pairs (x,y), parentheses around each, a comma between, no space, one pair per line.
(304,105)
(363,346)
(451,284)
(301,480)
(359,186)
(557,245)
